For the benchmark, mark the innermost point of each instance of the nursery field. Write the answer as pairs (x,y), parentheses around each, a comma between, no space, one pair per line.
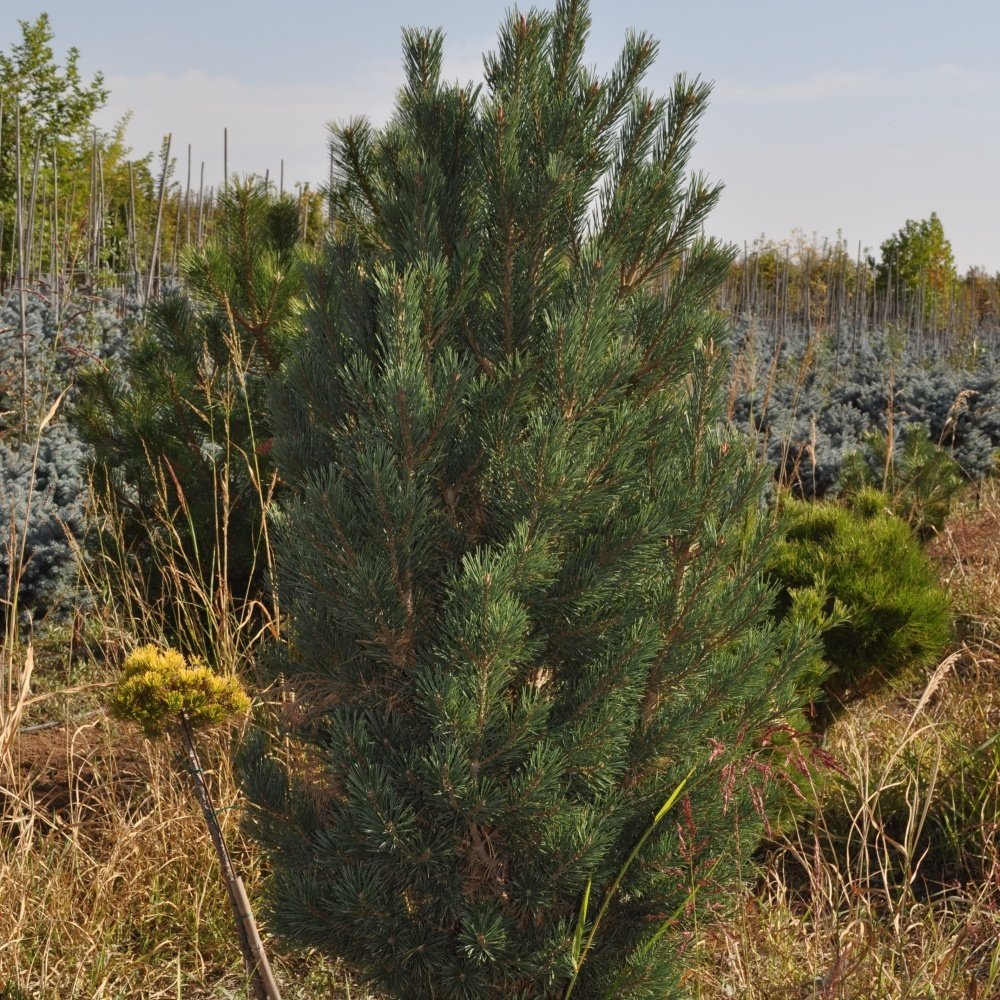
(879,881)
(469,581)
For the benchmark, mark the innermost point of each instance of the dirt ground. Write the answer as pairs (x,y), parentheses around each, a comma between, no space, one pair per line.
(67,775)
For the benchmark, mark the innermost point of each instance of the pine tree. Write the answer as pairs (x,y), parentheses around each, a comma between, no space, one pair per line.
(175,419)
(523,556)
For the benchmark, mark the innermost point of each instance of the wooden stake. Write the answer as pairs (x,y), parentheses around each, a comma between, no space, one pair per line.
(29,229)
(159,219)
(254,954)
(22,291)
(187,200)
(101,207)
(201,201)
(55,262)
(177,239)
(133,227)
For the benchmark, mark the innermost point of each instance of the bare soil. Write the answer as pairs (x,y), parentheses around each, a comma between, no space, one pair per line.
(67,775)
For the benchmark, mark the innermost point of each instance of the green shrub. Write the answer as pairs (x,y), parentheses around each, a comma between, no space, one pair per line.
(920,478)
(180,453)
(862,571)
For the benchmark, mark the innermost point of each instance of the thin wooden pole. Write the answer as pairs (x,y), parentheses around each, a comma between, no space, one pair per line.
(330,210)
(201,201)
(55,264)
(101,207)
(29,229)
(304,199)
(177,237)
(92,209)
(19,185)
(159,219)
(133,227)
(254,955)
(66,238)
(187,200)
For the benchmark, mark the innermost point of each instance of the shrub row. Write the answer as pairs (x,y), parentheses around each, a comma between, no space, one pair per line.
(812,403)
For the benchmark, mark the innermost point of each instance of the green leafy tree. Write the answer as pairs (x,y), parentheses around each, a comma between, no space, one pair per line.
(51,105)
(87,182)
(531,659)
(919,257)
(181,457)
(55,101)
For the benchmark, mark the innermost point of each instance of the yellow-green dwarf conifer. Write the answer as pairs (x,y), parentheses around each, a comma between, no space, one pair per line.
(156,686)
(160,690)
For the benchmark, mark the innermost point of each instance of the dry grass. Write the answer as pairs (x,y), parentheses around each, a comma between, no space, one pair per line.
(891,887)
(968,550)
(118,890)
(114,880)
(890,890)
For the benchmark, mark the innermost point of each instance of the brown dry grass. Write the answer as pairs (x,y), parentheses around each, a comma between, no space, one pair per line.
(115,879)
(112,875)
(891,887)
(968,551)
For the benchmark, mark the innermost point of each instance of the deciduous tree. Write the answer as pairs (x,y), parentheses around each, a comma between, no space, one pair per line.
(919,257)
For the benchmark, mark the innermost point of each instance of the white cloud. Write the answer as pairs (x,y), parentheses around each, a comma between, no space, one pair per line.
(832,83)
(266,123)
(961,80)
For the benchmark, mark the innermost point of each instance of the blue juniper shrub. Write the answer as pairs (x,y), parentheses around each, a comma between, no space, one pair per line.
(42,510)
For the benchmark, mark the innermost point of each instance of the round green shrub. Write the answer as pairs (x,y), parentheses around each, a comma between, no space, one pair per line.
(874,592)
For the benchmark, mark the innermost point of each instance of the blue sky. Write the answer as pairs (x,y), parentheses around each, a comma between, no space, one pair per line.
(849,117)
